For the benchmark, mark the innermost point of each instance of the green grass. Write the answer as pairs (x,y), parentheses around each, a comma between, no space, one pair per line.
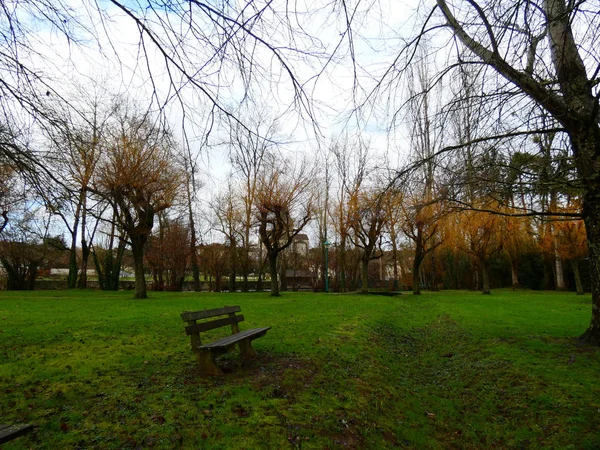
(443,370)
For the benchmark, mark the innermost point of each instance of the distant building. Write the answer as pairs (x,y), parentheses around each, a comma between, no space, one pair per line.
(300,244)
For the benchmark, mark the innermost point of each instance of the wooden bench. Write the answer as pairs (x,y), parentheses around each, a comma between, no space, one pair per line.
(206,353)
(10,432)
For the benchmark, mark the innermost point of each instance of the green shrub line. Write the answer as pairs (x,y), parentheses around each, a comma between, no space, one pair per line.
(450,369)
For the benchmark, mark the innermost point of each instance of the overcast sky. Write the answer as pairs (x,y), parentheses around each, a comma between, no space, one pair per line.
(115,60)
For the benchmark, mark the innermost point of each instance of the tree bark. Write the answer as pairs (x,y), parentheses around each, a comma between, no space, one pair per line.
(559,272)
(193,239)
(342,265)
(591,209)
(576,274)
(364,286)
(514,274)
(85,247)
(395,260)
(137,249)
(485,276)
(273,269)
(73,269)
(418,259)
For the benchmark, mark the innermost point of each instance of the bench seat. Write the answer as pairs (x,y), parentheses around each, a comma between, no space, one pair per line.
(235,338)
(10,432)
(206,353)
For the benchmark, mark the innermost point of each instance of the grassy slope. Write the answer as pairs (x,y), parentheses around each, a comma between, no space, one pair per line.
(444,370)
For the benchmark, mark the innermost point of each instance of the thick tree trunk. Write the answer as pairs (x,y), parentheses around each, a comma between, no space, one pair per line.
(418,259)
(559,273)
(576,274)
(364,285)
(137,248)
(514,274)
(193,239)
(73,269)
(416,280)
(85,256)
(591,211)
(485,277)
(273,269)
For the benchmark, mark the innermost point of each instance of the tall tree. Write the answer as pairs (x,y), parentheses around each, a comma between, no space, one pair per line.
(284,206)
(421,217)
(251,150)
(480,235)
(351,169)
(138,178)
(230,223)
(367,219)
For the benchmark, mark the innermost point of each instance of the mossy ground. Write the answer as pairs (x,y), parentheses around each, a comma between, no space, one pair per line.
(442,370)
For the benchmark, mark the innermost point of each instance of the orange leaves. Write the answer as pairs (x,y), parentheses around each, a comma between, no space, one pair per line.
(565,236)
(138,172)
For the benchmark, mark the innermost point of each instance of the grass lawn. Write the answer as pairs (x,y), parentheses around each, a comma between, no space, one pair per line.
(443,370)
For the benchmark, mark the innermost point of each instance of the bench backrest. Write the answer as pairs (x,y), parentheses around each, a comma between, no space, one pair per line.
(193,328)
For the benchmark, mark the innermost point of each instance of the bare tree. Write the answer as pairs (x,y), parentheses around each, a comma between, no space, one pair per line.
(283,208)
(230,223)
(351,169)
(251,149)
(138,178)
(367,219)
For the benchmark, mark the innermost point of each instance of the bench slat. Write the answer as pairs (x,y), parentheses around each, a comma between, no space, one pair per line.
(234,338)
(10,432)
(187,316)
(206,326)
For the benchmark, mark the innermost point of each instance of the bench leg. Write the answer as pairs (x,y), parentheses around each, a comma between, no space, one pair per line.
(206,359)
(246,350)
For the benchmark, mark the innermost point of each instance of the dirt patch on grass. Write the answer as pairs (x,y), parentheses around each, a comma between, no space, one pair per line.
(283,376)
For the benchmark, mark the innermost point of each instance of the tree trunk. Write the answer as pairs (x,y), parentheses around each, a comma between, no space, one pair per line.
(115,274)
(485,276)
(85,256)
(72,277)
(415,277)
(578,284)
(232,262)
(85,248)
(514,274)
(591,212)
(418,259)
(273,269)
(343,263)
(395,261)
(245,270)
(364,286)
(259,280)
(559,273)
(137,248)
